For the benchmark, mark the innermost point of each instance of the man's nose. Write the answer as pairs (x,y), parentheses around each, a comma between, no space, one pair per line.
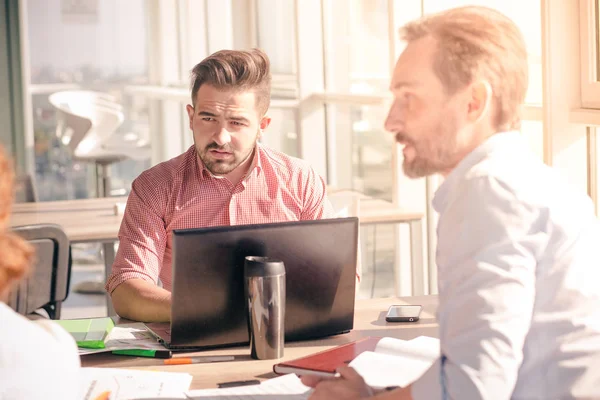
(222,137)
(393,122)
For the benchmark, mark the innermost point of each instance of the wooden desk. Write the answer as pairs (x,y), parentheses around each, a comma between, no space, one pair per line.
(90,220)
(80,217)
(94,220)
(369,320)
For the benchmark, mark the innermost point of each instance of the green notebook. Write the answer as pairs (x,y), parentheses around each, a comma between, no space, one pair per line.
(89,333)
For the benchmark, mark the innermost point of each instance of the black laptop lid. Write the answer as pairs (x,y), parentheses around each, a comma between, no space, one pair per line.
(208,304)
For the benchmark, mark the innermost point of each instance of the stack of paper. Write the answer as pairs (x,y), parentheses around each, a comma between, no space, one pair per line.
(98,335)
(122,384)
(127,337)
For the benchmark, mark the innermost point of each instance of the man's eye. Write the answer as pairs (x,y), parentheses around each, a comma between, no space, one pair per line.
(208,119)
(237,123)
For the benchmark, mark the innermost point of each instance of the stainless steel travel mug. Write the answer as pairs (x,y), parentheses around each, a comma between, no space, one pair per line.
(265,291)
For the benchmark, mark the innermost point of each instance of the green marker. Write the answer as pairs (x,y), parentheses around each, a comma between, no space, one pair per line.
(145,353)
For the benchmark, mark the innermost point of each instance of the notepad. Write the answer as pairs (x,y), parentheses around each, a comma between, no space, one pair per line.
(382,362)
(325,363)
(89,333)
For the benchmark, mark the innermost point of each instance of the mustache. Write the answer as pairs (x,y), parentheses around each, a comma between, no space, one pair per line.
(215,146)
(401,137)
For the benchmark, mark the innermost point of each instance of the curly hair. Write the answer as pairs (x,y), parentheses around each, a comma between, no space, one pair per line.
(16,253)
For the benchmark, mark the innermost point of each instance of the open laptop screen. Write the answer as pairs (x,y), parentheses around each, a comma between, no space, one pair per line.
(208,304)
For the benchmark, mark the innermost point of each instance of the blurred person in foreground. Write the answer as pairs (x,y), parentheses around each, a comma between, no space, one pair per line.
(518,247)
(38,359)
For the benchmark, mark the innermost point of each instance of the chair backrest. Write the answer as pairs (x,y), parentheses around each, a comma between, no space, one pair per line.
(25,189)
(85,118)
(105,122)
(346,203)
(47,286)
(77,101)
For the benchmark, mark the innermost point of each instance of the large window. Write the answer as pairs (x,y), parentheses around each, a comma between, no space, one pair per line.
(97,46)
(358,63)
(331,63)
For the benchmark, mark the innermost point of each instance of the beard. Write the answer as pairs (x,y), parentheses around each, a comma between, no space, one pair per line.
(433,153)
(224,166)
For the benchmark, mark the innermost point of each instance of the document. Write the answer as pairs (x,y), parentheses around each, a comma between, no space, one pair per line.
(127,337)
(397,362)
(123,384)
(286,387)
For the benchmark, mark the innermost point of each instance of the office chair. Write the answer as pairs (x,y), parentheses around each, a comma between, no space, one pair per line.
(346,203)
(87,123)
(47,285)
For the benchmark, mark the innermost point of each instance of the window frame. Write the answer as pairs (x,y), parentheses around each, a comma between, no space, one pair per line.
(588,29)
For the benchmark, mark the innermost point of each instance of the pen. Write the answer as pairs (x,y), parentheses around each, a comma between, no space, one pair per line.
(197,360)
(144,353)
(238,383)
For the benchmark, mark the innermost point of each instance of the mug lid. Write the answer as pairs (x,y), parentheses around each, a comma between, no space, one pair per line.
(263,266)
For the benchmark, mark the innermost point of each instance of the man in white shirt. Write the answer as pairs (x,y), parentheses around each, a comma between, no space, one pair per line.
(518,249)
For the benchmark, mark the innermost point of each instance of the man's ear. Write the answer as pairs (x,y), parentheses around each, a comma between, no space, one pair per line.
(265,122)
(190,110)
(480,100)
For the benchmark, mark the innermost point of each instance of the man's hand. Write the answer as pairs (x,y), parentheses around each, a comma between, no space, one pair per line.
(350,386)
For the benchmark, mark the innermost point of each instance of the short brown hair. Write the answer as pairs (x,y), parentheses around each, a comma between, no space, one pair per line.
(16,253)
(236,69)
(478,42)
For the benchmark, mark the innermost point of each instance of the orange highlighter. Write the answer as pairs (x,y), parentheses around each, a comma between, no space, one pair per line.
(197,360)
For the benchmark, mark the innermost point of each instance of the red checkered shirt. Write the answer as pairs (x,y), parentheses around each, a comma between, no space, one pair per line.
(181,193)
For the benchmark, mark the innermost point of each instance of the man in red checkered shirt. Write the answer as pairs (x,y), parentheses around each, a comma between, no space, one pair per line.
(226,178)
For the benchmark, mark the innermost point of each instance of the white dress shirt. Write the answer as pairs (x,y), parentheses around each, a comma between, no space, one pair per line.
(518,261)
(38,359)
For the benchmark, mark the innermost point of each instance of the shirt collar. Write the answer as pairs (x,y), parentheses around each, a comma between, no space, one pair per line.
(255,167)
(493,143)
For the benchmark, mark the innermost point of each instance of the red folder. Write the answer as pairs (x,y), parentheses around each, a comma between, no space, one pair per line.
(326,362)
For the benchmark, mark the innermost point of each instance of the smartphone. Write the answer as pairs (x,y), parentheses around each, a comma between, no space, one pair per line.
(397,313)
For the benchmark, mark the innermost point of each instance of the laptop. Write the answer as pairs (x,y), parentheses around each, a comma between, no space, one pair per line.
(209,308)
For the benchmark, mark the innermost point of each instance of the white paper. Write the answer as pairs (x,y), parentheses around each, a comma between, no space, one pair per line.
(397,362)
(126,337)
(286,387)
(122,384)
(424,347)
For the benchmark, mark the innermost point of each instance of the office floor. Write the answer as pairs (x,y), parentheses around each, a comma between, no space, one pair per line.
(377,280)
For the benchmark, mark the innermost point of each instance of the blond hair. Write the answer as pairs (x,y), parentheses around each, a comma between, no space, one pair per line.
(239,70)
(478,43)
(16,253)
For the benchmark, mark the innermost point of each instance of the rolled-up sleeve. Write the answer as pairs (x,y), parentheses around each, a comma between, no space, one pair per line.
(142,237)
(487,246)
